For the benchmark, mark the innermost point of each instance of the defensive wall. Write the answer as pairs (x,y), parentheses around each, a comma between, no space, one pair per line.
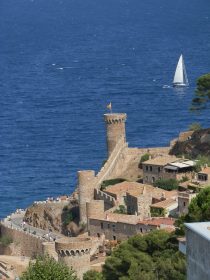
(109,201)
(28,244)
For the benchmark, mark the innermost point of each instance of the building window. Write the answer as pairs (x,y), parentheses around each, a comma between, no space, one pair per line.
(153,179)
(98,234)
(141,230)
(102,225)
(113,227)
(114,237)
(159,169)
(150,168)
(147,168)
(184,203)
(108,226)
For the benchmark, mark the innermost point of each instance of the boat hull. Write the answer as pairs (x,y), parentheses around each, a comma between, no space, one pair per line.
(180,85)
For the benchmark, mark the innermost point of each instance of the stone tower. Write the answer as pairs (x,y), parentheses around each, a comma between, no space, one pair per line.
(75,253)
(86,191)
(115,129)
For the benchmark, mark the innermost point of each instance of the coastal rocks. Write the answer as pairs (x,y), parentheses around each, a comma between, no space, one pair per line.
(54,216)
(196,144)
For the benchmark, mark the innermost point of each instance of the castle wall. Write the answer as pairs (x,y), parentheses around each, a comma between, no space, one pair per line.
(29,245)
(109,201)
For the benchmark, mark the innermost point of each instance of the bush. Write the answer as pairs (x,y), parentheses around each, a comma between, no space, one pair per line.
(167,184)
(121,210)
(46,268)
(6,240)
(195,126)
(145,157)
(92,275)
(110,182)
(201,161)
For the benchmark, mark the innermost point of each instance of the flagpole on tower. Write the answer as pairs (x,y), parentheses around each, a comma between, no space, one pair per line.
(109,106)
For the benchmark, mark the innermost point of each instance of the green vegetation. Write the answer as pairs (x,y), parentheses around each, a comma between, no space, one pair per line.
(93,275)
(157,212)
(167,184)
(202,93)
(6,240)
(195,126)
(201,161)
(145,157)
(198,210)
(46,268)
(121,210)
(110,182)
(149,257)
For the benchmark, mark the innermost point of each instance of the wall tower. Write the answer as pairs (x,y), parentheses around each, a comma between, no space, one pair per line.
(75,253)
(86,191)
(115,129)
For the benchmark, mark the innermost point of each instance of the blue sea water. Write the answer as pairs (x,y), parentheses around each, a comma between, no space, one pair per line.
(62,61)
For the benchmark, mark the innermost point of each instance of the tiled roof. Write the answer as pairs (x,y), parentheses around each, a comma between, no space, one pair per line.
(161,160)
(123,187)
(164,204)
(158,221)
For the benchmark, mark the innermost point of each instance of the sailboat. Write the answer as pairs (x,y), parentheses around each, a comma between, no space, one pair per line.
(180,76)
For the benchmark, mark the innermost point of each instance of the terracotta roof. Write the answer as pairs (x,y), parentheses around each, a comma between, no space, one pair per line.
(123,187)
(155,192)
(161,160)
(158,221)
(164,204)
(205,170)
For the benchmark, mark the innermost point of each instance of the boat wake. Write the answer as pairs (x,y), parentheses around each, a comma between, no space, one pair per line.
(167,86)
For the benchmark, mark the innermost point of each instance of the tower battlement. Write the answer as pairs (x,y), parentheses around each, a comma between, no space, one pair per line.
(115,129)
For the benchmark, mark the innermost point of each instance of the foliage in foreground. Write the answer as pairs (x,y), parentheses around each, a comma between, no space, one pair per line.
(202,93)
(93,275)
(149,257)
(46,268)
(198,210)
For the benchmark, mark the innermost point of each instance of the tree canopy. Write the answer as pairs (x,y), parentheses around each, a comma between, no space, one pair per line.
(202,93)
(46,268)
(148,257)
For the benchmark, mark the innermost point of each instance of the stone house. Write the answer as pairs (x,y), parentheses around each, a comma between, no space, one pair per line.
(120,227)
(184,199)
(166,167)
(164,208)
(204,175)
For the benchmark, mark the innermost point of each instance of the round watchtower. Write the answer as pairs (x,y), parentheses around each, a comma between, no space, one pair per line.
(86,191)
(115,129)
(75,253)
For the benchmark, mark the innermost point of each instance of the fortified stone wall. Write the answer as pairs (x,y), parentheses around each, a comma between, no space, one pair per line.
(29,244)
(109,201)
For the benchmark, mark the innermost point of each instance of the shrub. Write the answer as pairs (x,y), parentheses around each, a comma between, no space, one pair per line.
(145,157)
(167,184)
(47,268)
(195,126)
(6,240)
(109,182)
(121,210)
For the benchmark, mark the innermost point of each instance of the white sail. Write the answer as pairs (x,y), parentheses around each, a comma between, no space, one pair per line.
(180,77)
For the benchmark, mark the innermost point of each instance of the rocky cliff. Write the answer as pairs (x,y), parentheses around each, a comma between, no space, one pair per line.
(196,144)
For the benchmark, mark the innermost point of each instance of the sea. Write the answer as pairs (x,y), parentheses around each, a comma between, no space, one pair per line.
(63,61)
